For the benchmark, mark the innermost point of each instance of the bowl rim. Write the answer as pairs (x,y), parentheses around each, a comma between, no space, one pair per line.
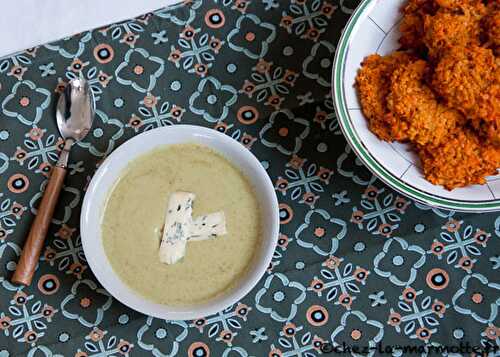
(259,264)
(360,149)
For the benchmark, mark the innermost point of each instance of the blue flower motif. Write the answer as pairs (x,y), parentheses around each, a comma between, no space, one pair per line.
(318,65)
(279,297)
(71,47)
(162,337)
(318,232)
(212,99)
(251,36)
(399,261)
(86,303)
(284,132)
(478,298)
(356,330)
(140,70)
(26,102)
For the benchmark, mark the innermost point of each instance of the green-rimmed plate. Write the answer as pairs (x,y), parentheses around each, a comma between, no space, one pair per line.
(373,28)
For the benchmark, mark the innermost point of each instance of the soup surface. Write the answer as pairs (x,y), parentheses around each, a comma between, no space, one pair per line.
(135,212)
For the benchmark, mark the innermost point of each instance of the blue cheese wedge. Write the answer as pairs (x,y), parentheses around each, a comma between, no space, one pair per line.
(176,229)
(208,226)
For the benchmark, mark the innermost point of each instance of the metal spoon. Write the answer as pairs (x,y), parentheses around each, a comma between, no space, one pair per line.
(74,114)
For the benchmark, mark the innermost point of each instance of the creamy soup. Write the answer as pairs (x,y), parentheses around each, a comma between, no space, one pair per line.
(135,212)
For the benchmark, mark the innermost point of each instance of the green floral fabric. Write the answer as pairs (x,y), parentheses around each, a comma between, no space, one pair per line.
(357,264)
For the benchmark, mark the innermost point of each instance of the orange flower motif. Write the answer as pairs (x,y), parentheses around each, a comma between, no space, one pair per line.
(481,237)
(240,5)
(283,241)
(327,9)
(175,55)
(65,232)
(242,310)
(200,323)
(48,312)
(357,217)
(177,112)
(124,347)
(345,300)
(226,336)
(409,294)
(85,302)
(20,298)
(103,79)
(247,140)
(453,225)
(332,262)
(77,269)
(319,232)
(201,69)
(317,343)
(296,162)
(275,352)
(96,334)
(215,44)
(370,193)
(290,77)
(437,248)
(17,71)
(36,133)
(394,319)
(188,33)
(423,334)
(17,210)
(221,127)
(289,329)
(401,204)
(281,185)
(5,323)
(438,308)
(360,274)
(60,86)
(309,198)
(466,263)
(20,155)
(135,122)
(324,174)
(385,230)
(312,34)
(130,39)
(263,66)
(317,285)
(77,65)
(50,255)
(81,354)
(45,168)
(320,117)
(248,88)
(150,101)
(30,336)
(287,22)
(274,101)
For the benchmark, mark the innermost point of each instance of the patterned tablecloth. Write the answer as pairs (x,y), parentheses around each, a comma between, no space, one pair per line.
(357,264)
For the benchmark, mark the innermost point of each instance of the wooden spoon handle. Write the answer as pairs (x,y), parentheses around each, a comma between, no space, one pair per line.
(34,244)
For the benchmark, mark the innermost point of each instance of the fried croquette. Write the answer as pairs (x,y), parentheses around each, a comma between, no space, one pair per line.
(468,79)
(458,24)
(459,161)
(441,91)
(416,115)
(373,81)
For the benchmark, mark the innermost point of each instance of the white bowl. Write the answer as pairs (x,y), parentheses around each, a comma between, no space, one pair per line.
(110,171)
(373,28)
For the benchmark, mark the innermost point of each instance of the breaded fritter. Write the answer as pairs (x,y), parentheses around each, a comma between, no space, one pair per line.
(373,82)
(491,27)
(415,113)
(459,161)
(412,24)
(468,79)
(458,24)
